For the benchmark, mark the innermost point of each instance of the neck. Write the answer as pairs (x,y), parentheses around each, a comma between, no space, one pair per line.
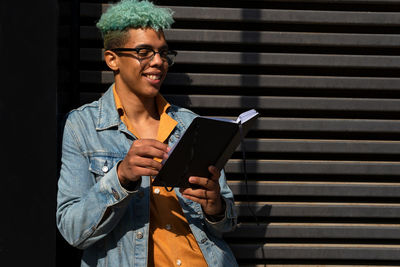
(137,108)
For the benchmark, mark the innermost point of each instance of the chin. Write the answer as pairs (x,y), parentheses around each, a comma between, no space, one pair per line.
(151,92)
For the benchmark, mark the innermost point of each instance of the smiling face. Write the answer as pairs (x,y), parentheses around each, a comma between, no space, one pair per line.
(141,77)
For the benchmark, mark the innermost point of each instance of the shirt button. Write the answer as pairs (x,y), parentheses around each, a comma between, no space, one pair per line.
(157,191)
(104,169)
(139,235)
(178,262)
(168,227)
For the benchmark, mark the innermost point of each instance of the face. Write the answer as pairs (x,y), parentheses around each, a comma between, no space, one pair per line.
(142,77)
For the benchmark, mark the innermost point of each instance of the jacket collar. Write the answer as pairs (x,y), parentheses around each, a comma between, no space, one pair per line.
(108,115)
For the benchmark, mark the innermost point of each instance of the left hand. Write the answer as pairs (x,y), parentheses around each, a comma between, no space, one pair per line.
(208,196)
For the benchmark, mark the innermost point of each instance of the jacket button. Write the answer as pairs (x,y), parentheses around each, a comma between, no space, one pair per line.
(104,169)
(203,240)
(139,235)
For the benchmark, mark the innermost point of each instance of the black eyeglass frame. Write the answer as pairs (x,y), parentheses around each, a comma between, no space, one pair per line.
(137,50)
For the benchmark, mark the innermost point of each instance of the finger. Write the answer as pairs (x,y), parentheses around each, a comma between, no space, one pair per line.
(153,143)
(196,193)
(215,173)
(145,171)
(148,163)
(200,194)
(150,152)
(207,183)
(201,201)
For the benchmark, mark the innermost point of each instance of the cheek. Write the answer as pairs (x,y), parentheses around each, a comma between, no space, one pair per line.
(130,76)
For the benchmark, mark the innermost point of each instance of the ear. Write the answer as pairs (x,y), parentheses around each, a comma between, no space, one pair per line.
(111,60)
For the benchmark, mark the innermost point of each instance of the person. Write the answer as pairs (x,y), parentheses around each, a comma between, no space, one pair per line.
(112,149)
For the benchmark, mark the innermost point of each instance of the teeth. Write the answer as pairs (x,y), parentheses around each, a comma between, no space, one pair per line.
(153,77)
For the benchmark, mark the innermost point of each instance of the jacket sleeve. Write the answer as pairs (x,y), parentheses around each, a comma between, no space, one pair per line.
(86,211)
(229,222)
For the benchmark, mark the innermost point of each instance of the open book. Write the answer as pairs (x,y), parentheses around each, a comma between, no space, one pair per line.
(207,141)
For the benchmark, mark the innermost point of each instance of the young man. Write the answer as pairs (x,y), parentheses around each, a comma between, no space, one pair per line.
(112,148)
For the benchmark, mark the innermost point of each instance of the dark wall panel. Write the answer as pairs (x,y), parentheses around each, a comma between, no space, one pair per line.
(28,132)
(323,158)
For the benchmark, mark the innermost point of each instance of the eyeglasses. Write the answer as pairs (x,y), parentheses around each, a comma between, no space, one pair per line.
(146,54)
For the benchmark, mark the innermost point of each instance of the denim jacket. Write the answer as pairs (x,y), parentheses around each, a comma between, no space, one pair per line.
(111,224)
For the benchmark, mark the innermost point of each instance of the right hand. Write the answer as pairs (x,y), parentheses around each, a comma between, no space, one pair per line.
(139,161)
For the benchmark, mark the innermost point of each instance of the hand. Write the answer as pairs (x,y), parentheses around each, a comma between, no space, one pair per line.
(139,161)
(208,196)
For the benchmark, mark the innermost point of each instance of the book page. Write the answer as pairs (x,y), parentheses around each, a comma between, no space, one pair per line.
(245,116)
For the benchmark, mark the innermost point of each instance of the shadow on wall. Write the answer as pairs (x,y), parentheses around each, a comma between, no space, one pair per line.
(253,80)
(250,209)
(181,79)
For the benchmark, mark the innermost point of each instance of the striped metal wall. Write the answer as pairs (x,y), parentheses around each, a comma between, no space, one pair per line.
(323,158)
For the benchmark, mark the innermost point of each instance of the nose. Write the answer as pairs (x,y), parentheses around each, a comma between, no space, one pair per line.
(156,60)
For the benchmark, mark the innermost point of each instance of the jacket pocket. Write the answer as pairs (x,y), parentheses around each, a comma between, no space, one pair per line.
(102,164)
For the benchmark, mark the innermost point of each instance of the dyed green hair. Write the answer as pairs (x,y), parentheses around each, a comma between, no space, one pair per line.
(131,14)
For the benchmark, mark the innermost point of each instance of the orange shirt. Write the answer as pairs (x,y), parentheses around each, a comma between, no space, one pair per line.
(171,242)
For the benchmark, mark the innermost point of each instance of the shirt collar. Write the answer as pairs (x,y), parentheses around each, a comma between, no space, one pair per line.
(167,124)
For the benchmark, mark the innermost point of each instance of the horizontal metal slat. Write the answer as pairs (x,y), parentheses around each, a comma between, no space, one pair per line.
(267,59)
(287,60)
(261,81)
(91,54)
(318,209)
(286,16)
(268,38)
(283,38)
(315,167)
(277,103)
(93,10)
(316,251)
(316,230)
(382,2)
(318,125)
(315,189)
(285,103)
(328,125)
(265,15)
(282,81)
(312,265)
(322,146)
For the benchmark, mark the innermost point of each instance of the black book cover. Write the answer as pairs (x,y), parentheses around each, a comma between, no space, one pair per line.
(206,142)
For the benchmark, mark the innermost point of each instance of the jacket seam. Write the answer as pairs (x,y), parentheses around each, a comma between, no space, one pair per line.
(70,126)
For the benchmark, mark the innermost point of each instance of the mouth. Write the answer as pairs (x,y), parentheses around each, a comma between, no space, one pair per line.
(152,76)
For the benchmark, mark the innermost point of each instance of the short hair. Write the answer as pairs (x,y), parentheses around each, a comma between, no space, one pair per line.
(131,14)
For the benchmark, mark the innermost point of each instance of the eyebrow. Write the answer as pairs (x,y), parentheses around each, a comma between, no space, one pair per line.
(149,46)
